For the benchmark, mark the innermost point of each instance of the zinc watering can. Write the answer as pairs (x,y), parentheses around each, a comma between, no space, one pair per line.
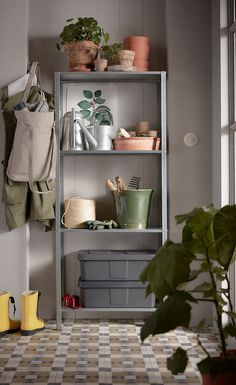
(99,137)
(72,135)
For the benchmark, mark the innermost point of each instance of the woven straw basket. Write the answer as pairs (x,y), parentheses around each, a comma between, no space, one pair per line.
(77,212)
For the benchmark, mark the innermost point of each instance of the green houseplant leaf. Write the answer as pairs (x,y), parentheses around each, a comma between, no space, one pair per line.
(99,100)
(173,312)
(225,234)
(178,361)
(208,240)
(88,94)
(84,28)
(84,104)
(230,330)
(97,93)
(85,113)
(169,268)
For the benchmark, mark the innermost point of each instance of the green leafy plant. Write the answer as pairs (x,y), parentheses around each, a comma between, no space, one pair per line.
(83,28)
(109,52)
(208,240)
(93,108)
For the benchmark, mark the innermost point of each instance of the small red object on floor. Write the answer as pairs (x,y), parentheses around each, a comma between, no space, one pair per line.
(72,301)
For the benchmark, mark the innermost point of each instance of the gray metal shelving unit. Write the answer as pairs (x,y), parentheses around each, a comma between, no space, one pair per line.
(61,78)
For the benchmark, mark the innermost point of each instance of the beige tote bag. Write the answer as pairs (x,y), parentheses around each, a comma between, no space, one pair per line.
(33,154)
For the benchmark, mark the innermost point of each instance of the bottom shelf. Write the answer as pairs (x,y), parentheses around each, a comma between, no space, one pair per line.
(100,313)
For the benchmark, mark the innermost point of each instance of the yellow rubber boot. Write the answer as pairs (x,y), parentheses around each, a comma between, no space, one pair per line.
(6,324)
(30,323)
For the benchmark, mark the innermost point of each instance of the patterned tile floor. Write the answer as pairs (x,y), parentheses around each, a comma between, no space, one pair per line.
(97,353)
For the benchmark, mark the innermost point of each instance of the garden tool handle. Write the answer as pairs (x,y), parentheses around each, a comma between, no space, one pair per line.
(120,184)
(110,185)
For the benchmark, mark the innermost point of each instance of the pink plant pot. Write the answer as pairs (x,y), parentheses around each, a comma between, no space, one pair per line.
(142,69)
(142,63)
(137,39)
(141,51)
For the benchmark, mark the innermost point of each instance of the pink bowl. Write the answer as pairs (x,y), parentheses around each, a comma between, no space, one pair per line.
(137,39)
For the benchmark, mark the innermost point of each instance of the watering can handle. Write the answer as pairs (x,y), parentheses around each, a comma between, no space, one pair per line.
(88,135)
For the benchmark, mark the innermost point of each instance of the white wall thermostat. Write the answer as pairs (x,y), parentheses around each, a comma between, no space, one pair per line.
(191,139)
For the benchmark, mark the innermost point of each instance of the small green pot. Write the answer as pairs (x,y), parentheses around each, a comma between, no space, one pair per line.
(132,208)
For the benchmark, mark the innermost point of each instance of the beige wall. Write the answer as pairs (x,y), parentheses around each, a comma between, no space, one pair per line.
(188,40)
(14,245)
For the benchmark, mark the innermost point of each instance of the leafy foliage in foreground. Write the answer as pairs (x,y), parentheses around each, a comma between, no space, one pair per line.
(208,240)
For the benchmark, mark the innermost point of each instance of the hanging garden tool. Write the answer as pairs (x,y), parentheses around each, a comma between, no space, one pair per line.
(121,186)
(134,182)
(110,185)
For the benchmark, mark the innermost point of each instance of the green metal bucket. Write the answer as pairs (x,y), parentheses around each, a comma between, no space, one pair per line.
(132,208)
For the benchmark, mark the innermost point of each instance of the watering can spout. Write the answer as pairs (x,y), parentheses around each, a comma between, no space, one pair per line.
(90,138)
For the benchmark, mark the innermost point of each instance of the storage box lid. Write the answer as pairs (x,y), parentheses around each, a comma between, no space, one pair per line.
(115,255)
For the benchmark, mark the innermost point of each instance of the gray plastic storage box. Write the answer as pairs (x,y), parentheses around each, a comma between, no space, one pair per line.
(117,294)
(117,265)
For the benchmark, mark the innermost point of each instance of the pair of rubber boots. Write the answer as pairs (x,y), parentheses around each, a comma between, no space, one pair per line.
(30,323)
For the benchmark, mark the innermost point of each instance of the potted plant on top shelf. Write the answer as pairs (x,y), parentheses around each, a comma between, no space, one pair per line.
(207,246)
(81,39)
(109,52)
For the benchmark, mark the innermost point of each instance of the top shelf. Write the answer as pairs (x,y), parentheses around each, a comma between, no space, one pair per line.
(142,77)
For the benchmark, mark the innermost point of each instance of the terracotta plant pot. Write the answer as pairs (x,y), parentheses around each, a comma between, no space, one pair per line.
(141,51)
(137,143)
(219,370)
(137,40)
(81,55)
(141,65)
(141,68)
(142,127)
(141,46)
(141,62)
(220,379)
